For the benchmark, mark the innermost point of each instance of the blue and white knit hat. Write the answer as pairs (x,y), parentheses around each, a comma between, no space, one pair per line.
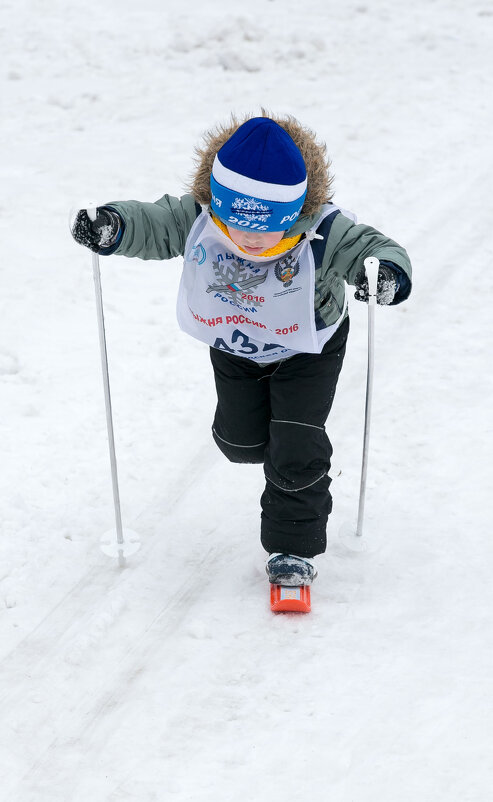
(258,178)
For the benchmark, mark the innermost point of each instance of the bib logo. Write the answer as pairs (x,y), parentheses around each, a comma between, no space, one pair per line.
(197,254)
(232,278)
(286,269)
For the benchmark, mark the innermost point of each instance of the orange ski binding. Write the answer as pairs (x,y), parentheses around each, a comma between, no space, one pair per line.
(285,599)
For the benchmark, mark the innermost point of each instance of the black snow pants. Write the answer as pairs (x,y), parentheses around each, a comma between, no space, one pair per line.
(275,415)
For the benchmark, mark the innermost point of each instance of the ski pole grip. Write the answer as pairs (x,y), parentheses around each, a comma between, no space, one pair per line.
(371,267)
(92,212)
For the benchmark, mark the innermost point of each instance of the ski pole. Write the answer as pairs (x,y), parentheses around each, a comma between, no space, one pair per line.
(121,549)
(371,267)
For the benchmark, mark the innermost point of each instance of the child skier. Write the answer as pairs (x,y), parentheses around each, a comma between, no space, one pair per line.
(266,257)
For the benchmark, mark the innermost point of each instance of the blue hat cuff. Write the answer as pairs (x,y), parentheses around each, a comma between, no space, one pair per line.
(247,212)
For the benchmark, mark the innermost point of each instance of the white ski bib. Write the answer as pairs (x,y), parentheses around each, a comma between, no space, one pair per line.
(261,308)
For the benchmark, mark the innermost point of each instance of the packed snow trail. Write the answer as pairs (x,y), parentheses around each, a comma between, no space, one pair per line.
(213,653)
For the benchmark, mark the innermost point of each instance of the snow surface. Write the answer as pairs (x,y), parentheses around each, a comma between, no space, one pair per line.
(171,679)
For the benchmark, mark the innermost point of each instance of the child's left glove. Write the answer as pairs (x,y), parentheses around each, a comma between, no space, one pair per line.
(387,286)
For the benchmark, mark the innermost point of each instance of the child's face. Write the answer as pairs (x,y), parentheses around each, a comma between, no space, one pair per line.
(255,242)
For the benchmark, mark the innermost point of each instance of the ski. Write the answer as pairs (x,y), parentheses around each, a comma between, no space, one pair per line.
(285,599)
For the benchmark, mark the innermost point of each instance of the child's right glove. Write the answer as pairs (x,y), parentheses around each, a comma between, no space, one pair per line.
(98,234)
(387,286)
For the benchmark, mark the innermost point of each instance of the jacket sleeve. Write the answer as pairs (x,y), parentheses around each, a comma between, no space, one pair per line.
(155,230)
(350,245)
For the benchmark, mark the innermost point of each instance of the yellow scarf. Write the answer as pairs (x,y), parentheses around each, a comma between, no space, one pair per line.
(284,245)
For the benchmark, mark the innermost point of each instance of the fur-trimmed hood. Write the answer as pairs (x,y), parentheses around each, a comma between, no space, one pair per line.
(314,154)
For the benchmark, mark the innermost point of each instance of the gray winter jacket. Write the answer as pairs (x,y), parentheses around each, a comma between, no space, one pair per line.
(159,231)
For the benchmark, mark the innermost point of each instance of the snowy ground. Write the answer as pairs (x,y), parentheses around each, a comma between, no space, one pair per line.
(172,680)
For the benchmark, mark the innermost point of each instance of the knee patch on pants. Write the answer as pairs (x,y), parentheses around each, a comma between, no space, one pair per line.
(236,452)
(298,455)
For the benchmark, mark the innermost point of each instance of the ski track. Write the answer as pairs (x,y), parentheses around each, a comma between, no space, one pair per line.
(95,622)
(98,578)
(109,692)
(94,727)
(82,620)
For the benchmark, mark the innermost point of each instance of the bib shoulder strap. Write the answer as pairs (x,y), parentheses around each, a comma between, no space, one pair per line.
(319,243)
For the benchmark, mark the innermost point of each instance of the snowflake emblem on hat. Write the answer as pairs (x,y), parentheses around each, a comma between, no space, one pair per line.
(286,269)
(251,208)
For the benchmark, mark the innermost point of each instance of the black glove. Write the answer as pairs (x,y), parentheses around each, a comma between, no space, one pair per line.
(387,286)
(97,234)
